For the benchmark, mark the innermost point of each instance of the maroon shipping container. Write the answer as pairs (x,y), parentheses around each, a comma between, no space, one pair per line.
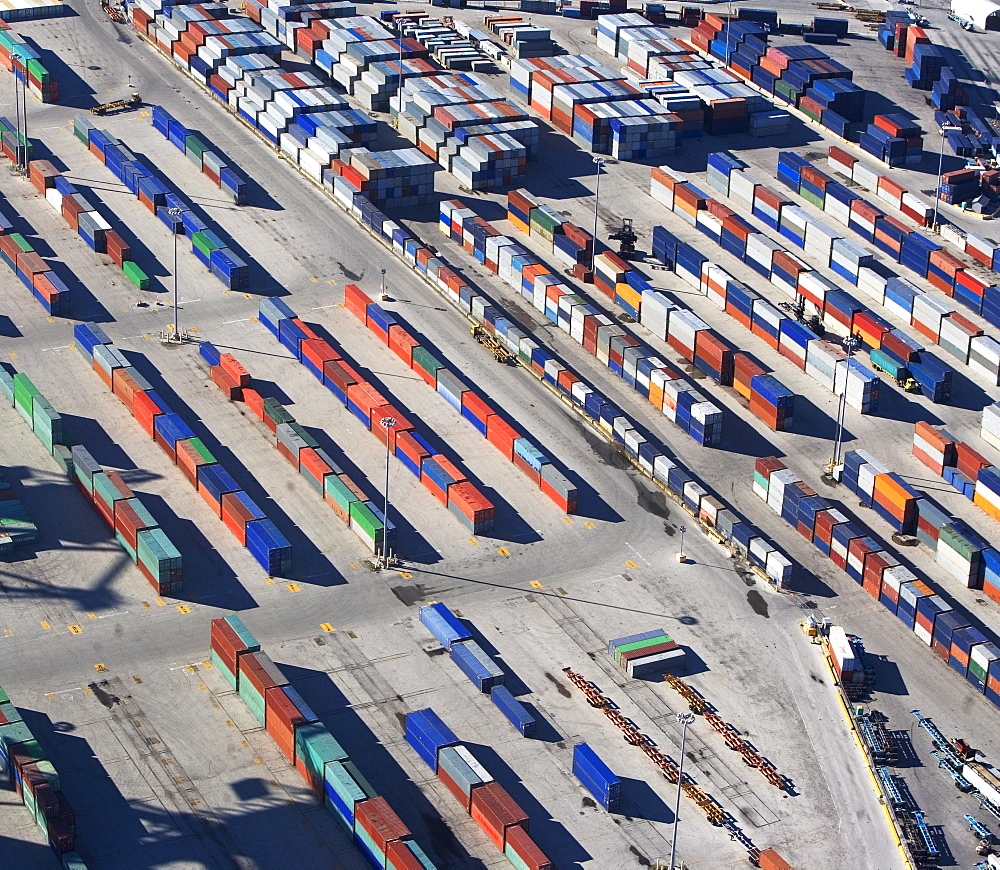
(495,811)
(524,847)
(380,822)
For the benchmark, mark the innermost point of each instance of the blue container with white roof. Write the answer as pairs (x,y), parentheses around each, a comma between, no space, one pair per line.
(476,665)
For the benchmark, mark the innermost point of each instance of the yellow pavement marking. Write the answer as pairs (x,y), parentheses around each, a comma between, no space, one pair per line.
(355,565)
(190,669)
(144,114)
(590,525)
(100,668)
(536,585)
(406,575)
(630,564)
(474,542)
(160,602)
(332,283)
(314,280)
(193,328)
(147,605)
(13,356)
(136,678)
(51,319)
(560,590)
(293,587)
(183,608)
(568,521)
(247,296)
(8,633)
(327,627)
(229,722)
(87,690)
(206,664)
(269,581)
(91,615)
(257,761)
(503,551)
(45,625)
(245,744)
(50,695)
(75,629)
(203,687)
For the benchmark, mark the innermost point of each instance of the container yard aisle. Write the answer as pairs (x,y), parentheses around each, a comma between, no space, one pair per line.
(542,591)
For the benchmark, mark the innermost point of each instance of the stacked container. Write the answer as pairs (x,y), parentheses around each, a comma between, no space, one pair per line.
(649,653)
(305,742)
(37,784)
(597,777)
(215,167)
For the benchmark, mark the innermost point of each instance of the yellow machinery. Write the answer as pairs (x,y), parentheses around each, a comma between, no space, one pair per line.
(131,103)
(488,341)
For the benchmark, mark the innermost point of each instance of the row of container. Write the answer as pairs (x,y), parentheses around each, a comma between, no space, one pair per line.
(21,58)
(647,654)
(837,311)
(957,547)
(517,448)
(824,361)
(215,167)
(925,61)
(893,139)
(83,217)
(34,273)
(16,527)
(572,246)
(799,75)
(926,257)
(473,661)
(441,477)
(705,96)
(259,535)
(35,780)
(935,319)
(650,457)
(972,136)
(968,471)
(483,798)
(638,365)
(441,39)
(16,147)
(179,219)
(522,38)
(303,453)
(595,106)
(948,631)
(294,111)
(377,832)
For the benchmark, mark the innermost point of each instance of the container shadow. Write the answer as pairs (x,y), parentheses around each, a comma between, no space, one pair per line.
(551,836)
(311,565)
(92,435)
(8,329)
(906,754)
(967,394)
(895,405)
(410,544)
(379,767)
(545,731)
(207,575)
(639,801)
(739,436)
(508,524)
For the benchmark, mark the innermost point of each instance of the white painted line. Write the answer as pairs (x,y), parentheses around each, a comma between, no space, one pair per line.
(322,307)
(186,301)
(60,347)
(634,550)
(116,613)
(241,320)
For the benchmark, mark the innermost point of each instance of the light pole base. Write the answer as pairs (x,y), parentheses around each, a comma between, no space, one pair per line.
(681,557)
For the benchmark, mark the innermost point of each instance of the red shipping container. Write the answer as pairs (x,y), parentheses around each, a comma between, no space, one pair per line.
(402,343)
(281,717)
(380,822)
(127,522)
(232,367)
(189,460)
(225,382)
(236,516)
(357,301)
(525,849)
(494,811)
(405,443)
(255,402)
(968,461)
(124,386)
(501,435)
(392,433)
(456,790)
(165,446)
(476,405)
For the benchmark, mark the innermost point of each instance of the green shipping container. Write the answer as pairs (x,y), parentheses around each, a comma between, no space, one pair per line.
(316,746)
(18,734)
(24,397)
(244,633)
(21,242)
(10,711)
(47,422)
(348,789)
(46,769)
(223,669)
(366,521)
(423,360)
(135,274)
(4,697)
(253,699)
(640,644)
(7,385)
(20,531)
(809,196)
(203,243)
(62,455)
(127,547)
(958,543)
(194,148)
(274,410)
(304,435)
(339,491)
(38,71)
